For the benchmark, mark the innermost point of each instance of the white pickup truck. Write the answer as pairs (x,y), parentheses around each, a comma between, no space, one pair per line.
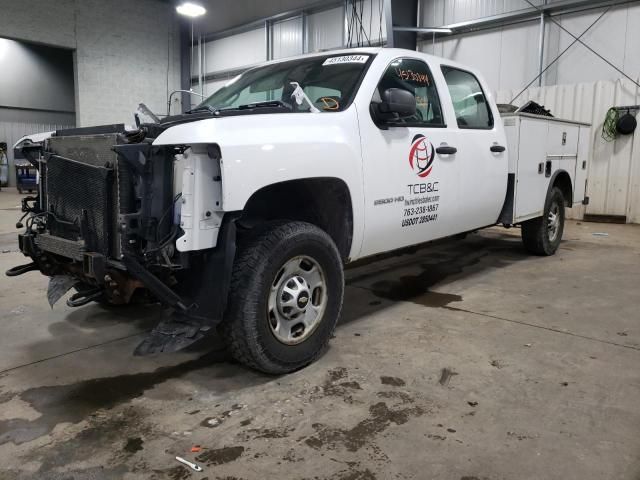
(241,214)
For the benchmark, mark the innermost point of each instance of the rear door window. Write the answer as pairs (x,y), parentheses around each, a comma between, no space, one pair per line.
(469,101)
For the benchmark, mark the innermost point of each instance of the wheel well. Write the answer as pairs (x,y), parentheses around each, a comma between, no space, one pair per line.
(563,182)
(324,202)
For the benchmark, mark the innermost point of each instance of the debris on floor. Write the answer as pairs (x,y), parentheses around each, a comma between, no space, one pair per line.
(445,376)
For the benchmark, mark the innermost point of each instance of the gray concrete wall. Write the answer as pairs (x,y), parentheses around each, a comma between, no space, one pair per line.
(36,77)
(126,52)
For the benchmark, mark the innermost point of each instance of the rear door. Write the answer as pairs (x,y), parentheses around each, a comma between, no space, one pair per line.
(481,143)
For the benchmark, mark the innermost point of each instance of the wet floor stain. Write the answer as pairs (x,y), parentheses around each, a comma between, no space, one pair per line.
(337,385)
(402,397)
(175,473)
(119,433)
(74,402)
(365,474)
(133,445)
(220,456)
(416,288)
(269,433)
(380,418)
(394,381)
(461,256)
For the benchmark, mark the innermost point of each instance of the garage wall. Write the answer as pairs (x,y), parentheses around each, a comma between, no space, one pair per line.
(580,86)
(36,92)
(614,167)
(508,56)
(130,55)
(15,124)
(302,32)
(326,29)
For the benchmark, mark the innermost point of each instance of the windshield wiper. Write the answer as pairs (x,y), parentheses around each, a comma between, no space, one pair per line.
(266,104)
(205,108)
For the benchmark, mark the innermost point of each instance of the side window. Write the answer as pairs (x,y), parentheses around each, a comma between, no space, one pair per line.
(414,76)
(469,102)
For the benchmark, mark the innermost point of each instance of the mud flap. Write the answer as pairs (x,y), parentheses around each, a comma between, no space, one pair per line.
(206,295)
(58,286)
(171,335)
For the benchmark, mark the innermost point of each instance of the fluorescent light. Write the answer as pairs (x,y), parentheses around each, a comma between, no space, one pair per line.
(422,29)
(191,9)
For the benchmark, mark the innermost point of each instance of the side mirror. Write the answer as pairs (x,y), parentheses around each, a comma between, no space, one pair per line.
(396,104)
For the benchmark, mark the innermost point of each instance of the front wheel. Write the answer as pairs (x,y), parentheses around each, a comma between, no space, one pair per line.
(542,236)
(285,297)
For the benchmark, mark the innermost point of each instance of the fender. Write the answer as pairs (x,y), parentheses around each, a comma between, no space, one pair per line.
(552,180)
(260,150)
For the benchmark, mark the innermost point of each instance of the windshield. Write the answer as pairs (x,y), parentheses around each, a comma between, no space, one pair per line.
(328,81)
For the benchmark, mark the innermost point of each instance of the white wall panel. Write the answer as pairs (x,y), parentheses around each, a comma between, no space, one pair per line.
(444,12)
(608,37)
(235,51)
(287,38)
(614,169)
(325,29)
(508,56)
(11,132)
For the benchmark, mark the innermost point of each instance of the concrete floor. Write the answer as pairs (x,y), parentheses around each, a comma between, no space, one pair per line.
(466,361)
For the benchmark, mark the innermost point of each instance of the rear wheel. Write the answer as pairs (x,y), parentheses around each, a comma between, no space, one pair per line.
(542,236)
(285,297)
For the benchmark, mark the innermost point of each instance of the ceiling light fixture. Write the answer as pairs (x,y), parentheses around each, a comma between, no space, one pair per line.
(191,9)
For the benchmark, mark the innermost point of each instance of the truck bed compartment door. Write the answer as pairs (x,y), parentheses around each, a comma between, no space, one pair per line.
(531,186)
(580,183)
(562,140)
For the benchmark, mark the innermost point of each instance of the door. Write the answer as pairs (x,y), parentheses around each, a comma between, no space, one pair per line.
(482,154)
(411,180)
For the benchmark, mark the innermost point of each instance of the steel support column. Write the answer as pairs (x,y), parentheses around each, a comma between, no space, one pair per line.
(185,64)
(401,13)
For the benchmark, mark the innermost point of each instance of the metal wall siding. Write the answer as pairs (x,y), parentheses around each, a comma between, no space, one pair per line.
(287,38)
(614,167)
(444,12)
(11,132)
(239,50)
(325,29)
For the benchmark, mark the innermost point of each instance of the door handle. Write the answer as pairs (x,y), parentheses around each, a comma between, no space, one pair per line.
(446,150)
(497,148)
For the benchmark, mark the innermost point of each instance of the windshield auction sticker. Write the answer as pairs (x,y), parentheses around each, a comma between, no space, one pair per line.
(346,59)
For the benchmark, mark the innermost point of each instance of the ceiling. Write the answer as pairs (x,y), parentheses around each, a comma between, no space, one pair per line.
(224,14)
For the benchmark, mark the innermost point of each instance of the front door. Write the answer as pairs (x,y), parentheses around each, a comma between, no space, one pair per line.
(411,176)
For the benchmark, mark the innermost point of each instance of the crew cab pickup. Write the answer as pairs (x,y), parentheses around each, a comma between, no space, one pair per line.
(241,214)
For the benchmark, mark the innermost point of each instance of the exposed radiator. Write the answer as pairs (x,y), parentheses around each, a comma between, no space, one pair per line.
(79,203)
(87,186)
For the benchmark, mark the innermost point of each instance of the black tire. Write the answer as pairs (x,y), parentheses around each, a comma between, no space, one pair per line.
(248,327)
(537,234)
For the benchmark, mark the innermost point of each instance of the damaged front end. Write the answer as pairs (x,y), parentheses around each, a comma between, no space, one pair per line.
(114,220)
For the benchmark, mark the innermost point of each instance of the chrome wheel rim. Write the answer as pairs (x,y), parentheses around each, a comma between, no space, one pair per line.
(297,300)
(553,221)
